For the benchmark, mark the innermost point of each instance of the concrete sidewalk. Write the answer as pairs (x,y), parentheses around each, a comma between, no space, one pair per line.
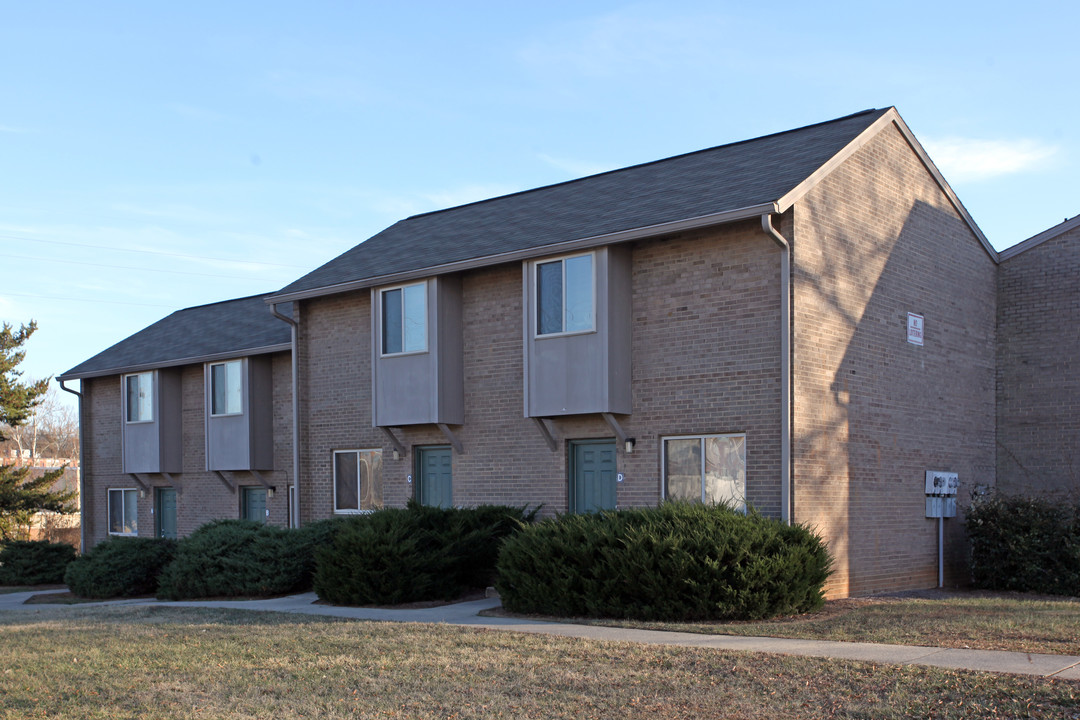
(1066,667)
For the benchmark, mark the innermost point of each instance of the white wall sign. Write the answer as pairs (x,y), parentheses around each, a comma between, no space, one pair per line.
(914,329)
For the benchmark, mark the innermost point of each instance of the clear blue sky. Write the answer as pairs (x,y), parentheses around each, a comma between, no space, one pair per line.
(155,156)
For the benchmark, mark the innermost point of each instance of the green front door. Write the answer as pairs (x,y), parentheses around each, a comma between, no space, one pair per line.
(165,515)
(592,475)
(435,476)
(253,504)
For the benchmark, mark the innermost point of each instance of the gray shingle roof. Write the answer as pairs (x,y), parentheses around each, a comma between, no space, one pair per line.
(717,180)
(233,327)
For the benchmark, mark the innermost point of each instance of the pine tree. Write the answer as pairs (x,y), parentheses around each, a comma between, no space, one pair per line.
(21,495)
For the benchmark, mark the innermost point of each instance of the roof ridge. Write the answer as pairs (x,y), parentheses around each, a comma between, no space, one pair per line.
(645,164)
(222,302)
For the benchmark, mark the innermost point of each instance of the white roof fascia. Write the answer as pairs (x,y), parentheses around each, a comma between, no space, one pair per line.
(891,117)
(1050,234)
(193,360)
(754,211)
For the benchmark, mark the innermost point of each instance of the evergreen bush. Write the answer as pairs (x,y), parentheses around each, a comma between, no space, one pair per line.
(120,567)
(243,558)
(25,562)
(678,561)
(413,554)
(1024,544)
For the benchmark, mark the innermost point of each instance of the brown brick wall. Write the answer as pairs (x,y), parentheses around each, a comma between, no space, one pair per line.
(875,240)
(1038,386)
(705,360)
(201,496)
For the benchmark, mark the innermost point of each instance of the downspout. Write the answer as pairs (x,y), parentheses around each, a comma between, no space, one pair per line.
(82,468)
(785,366)
(294,362)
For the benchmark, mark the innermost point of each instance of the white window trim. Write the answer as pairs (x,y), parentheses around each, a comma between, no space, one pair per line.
(379,319)
(333,476)
(702,437)
(210,387)
(153,392)
(108,510)
(536,296)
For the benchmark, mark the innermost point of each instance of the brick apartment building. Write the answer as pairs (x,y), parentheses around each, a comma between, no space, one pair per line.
(732,324)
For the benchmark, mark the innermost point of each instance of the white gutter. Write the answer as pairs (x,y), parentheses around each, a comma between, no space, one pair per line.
(175,362)
(82,468)
(785,366)
(294,362)
(647,231)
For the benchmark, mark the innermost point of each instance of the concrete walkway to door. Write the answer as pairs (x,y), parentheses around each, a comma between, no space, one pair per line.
(1065,667)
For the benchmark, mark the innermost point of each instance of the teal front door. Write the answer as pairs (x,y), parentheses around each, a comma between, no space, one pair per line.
(253,504)
(592,475)
(165,515)
(434,470)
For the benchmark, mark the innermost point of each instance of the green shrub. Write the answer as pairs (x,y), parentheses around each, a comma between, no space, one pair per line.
(1024,544)
(679,561)
(120,567)
(25,562)
(413,554)
(243,558)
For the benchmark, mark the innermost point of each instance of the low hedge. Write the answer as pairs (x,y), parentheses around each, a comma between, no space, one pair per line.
(120,567)
(678,561)
(413,554)
(26,562)
(243,558)
(1024,544)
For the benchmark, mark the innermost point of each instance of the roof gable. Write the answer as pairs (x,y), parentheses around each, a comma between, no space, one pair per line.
(231,328)
(724,179)
(1036,240)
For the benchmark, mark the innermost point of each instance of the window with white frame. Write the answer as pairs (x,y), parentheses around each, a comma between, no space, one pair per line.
(705,468)
(404,319)
(357,480)
(565,295)
(226,388)
(123,511)
(139,389)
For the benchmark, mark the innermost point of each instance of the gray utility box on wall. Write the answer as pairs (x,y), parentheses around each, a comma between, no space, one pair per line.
(941,490)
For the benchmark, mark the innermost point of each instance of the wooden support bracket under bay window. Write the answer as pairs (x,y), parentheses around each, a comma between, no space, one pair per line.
(547,431)
(452,438)
(228,483)
(616,428)
(399,449)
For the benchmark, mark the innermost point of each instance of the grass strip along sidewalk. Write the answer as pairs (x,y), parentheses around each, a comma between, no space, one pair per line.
(119,662)
(964,620)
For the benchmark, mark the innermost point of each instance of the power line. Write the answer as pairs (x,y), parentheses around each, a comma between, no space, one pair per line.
(118,267)
(150,252)
(86,300)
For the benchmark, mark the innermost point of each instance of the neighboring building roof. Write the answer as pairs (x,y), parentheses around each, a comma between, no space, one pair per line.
(751,176)
(1051,233)
(207,332)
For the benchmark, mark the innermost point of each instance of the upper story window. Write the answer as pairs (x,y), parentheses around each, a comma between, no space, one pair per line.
(404,319)
(226,388)
(705,468)
(565,295)
(140,397)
